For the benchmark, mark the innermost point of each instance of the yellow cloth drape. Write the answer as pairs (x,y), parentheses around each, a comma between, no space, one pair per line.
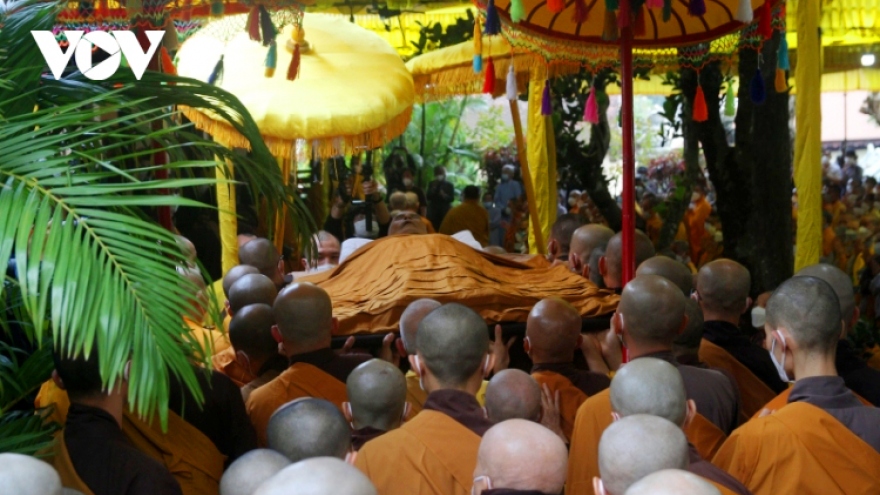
(542,165)
(227,219)
(808,136)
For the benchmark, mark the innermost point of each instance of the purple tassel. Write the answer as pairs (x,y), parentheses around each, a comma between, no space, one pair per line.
(546,104)
(493,22)
(756,89)
(697,7)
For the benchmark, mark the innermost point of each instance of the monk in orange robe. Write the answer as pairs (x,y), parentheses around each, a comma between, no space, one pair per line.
(584,240)
(611,263)
(824,440)
(553,335)
(376,401)
(695,219)
(254,348)
(304,327)
(651,313)
(435,453)
(469,215)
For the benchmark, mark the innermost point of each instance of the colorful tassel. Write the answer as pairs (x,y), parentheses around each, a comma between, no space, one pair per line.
(253,24)
(781,82)
(478,47)
(624,14)
(271,59)
(217,8)
(493,23)
(697,7)
(293,68)
(730,101)
(654,4)
(612,4)
(478,63)
(766,24)
(517,11)
(756,89)
(744,12)
(512,90)
(591,109)
(167,63)
(581,12)
(489,81)
(782,60)
(268,28)
(556,6)
(546,103)
(217,73)
(639,27)
(701,111)
(609,29)
(667,10)
(169,39)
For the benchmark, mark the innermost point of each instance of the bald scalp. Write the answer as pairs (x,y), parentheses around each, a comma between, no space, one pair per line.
(670,269)
(26,475)
(636,446)
(304,314)
(453,341)
(306,428)
(553,329)
(693,332)
(588,237)
(644,249)
(235,273)
(840,282)
(723,286)
(251,470)
(260,253)
(513,394)
(377,394)
(410,319)
(649,386)
(318,476)
(809,309)
(250,331)
(672,482)
(563,229)
(523,455)
(254,288)
(652,309)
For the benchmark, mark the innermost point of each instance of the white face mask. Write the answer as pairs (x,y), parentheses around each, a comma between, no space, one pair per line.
(780,366)
(572,201)
(759,317)
(695,197)
(321,268)
(407,182)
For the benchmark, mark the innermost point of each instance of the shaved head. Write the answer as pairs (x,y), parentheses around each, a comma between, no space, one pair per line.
(562,230)
(187,248)
(377,394)
(235,273)
(251,470)
(808,308)
(410,319)
(253,288)
(842,285)
(318,476)
(304,314)
(513,394)
(649,386)
(651,309)
(636,446)
(306,428)
(553,329)
(588,237)
(672,482)
(723,286)
(693,332)
(261,253)
(26,475)
(613,263)
(250,331)
(522,455)
(453,341)
(670,269)
(406,222)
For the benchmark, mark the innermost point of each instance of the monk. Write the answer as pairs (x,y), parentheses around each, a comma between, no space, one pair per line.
(584,240)
(406,223)
(412,204)
(513,394)
(26,475)
(318,476)
(611,263)
(376,401)
(251,470)
(91,453)
(518,457)
(206,335)
(306,428)
(649,316)
(654,387)
(553,335)
(723,293)
(824,440)
(856,374)
(326,254)
(634,447)
(686,346)
(304,326)
(261,254)
(436,452)
(235,273)
(695,219)
(256,351)
(559,244)
(469,215)
(672,482)
(250,289)
(670,269)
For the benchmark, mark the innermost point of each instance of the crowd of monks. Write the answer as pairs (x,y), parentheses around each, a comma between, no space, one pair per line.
(673,398)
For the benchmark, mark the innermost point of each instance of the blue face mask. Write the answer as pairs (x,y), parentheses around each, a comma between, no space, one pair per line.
(505,177)
(487,205)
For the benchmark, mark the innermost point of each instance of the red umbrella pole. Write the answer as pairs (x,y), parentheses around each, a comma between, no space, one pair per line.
(628,224)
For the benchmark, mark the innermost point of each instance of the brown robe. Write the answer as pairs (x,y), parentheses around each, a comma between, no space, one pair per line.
(224,362)
(781,400)
(753,392)
(62,463)
(701,467)
(417,397)
(570,398)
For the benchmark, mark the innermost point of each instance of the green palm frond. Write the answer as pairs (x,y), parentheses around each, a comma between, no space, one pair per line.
(25,433)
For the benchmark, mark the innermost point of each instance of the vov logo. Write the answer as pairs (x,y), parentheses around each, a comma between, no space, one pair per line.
(116,43)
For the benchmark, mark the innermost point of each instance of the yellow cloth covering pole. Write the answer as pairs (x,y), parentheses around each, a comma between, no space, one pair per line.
(227,217)
(808,135)
(541,168)
(527,177)
(281,218)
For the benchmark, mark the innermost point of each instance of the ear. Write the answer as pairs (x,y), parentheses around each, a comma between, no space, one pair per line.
(553,248)
(281,267)
(617,323)
(351,457)
(334,325)
(691,413)
(489,365)
(485,412)
(228,308)
(574,261)
(416,364)
(527,345)
(401,349)
(305,263)
(598,487)
(748,305)
(57,379)
(243,360)
(407,409)
(603,267)
(615,416)
(585,271)
(276,334)
(346,411)
(684,325)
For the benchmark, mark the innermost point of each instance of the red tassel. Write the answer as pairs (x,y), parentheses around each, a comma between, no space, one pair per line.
(167,63)
(581,13)
(489,82)
(639,28)
(701,112)
(766,24)
(556,6)
(293,68)
(253,24)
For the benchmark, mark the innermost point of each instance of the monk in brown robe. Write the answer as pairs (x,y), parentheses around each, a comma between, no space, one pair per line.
(651,386)
(584,240)
(611,263)
(261,254)
(559,244)
(553,335)
(306,428)
(251,470)
(670,269)
(435,453)
(519,457)
(672,482)
(723,293)
(513,394)
(824,440)
(376,401)
(650,315)
(686,345)
(255,350)
(322,475)
(26,475)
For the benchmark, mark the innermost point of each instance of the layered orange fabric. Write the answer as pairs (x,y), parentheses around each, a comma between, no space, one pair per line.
(695,218)
(224,362)
(593,417)
(430,455)
(300,380)
(570,398)
(753,393)
(800,449)
(428,225)
(373,286)
(470,216)
(62,463)
(51,395)
(781,400)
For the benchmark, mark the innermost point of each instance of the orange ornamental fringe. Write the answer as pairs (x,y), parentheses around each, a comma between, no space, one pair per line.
(323,147)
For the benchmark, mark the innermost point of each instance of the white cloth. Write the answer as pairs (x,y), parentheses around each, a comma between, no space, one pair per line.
(349,246)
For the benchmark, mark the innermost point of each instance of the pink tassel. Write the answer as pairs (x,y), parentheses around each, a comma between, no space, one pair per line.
(591,109)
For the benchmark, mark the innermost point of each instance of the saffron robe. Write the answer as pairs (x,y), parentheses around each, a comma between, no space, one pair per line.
(211,339)
(417,397)
(753,392)
(224,362)
(570,398)
(800,449)
(781,400)
(432,454)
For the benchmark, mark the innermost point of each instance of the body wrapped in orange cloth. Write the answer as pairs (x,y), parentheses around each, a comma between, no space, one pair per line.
(373,286)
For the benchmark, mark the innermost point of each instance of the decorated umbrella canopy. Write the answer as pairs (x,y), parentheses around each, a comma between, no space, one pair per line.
(350,91)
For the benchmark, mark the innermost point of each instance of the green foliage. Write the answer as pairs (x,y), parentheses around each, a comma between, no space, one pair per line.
(433,36)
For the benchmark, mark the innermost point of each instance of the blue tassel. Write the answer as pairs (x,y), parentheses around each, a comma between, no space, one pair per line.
(271,59)
(478,64)
(493,22)
(782,60)
(217,73)
(756,89)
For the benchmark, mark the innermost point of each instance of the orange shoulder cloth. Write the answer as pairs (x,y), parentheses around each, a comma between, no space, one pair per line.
(753,392)
(570,397)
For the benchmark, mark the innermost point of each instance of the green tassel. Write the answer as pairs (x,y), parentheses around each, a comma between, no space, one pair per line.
(517,11)
(729,101)
(667,10)
(612,4)
(217,8)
